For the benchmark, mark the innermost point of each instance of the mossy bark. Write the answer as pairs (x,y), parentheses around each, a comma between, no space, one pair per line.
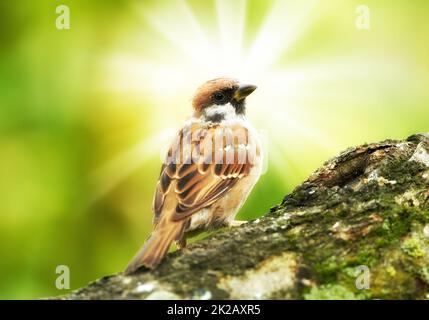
(367,207)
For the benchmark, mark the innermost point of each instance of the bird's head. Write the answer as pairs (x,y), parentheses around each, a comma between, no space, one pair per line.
(221,91)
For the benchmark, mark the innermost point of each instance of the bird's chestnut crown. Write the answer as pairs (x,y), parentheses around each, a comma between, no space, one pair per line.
(221,91)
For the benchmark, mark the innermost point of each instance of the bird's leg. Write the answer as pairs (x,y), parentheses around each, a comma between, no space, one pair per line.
(237,223)
(181,244)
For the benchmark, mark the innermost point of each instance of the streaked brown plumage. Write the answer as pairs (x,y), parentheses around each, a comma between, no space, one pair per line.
(210,169)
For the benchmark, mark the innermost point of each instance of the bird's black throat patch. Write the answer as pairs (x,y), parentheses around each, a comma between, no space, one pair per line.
(216,117)
(239,106)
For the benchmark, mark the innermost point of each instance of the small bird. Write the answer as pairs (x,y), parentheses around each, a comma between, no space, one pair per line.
(210,169)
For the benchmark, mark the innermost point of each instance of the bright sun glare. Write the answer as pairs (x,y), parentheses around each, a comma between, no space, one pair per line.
(198,52)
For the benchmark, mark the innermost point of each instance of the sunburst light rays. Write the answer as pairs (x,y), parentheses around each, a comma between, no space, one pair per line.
(231,19)
(114,171)
(285,21)
(178,25)
(201,50)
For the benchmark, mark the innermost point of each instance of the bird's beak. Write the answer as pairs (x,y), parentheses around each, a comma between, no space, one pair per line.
(243,91)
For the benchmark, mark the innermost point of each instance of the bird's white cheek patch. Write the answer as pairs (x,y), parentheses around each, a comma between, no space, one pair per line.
(227,111)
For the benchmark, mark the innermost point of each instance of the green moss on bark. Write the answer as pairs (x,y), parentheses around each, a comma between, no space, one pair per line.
(367,207)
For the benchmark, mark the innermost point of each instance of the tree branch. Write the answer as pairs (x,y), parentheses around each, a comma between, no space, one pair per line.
(367,207)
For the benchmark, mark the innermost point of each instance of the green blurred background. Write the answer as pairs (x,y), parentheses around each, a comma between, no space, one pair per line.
(86,112)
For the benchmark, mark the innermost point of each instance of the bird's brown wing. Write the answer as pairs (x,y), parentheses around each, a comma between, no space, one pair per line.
(205,162)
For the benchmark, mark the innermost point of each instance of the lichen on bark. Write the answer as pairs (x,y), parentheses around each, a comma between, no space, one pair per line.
(367,207)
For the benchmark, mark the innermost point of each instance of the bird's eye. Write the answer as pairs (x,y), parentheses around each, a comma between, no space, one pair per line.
(219,96)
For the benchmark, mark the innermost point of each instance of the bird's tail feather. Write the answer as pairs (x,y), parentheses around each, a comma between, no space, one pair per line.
(156,247)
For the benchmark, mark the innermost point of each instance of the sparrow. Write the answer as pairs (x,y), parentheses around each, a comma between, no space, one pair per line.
(211,166)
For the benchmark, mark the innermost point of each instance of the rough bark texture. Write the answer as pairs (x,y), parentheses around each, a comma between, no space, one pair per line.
(369,206)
